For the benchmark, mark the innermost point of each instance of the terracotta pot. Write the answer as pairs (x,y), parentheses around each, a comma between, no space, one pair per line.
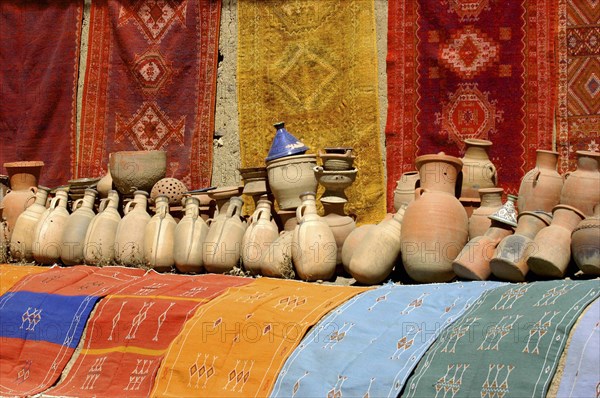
(260,234)
(190,234)
(405,188)
(99,247)
(73,237)
(23,186)
(541,186)
(105,185)
(553,243)
(277,259)
(4,242)
(129,238)
(340,224)
(491,202)
(222,195)
(334,182)
(47,245)
(286,220)
(289,177)
(137,170)
(435,225)
(582,187)
(22,238)
(4,184)
(313,245)
(337,158)
(478,171)
(159,237)
(510,258)
(470,205)
(255,181)
(585,244)
(353,240)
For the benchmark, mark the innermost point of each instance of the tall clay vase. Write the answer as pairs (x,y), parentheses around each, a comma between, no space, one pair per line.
(405,188)
(277,259)
(582,187)
(435,225)
(553,244)
(509,261)
(73,237)
(353,241)
(190,234)
(314,249)
(99,246)
(585,244)
(159,237)
(375,256)
(21,241)
(23,186)
(260,234)
(541,186)
(491,202)
(340,224)
(129,238)
(223,244)
(478,170)
(47,245)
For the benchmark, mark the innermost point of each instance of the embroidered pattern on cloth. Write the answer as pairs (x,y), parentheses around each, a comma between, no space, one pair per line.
(13,274)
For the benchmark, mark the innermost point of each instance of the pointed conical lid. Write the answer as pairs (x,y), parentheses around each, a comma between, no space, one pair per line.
(284,144)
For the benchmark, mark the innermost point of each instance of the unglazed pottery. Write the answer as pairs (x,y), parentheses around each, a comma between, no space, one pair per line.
(405,188)
(99,247)
(23,186)
(340,224)
(159,237)
(260,234)
(337,158)
(73,237)
(478,170)
(47,244)
(137,170)
(129,239)
(190,234)
(335,182)
(352,242)
(541,186)
(277,260)
(491,202)
(585,243)
(582,187)
(289,177)
(170,187)
(4,242)
(22,238)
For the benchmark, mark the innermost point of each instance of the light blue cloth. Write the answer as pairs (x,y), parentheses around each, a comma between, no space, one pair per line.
(581,376)
(371,343)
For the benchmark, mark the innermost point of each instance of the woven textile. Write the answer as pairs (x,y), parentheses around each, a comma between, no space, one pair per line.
(41,323)
(39,61)
(508,344)
(12,274)
(313,65)
(581,375)
(347,355)
(235,345)
(150,84)
(131,330)
(579,79)
(477,69)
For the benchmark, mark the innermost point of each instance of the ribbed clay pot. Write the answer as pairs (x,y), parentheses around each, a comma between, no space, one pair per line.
(510,258)
(478,170)
(289,177)
(405,188)
(260,234)
(585,244)
(99,247)
(190,234)
(553,243)
(491,202)
(23,186)
(137,170)
(582,187)
(337,158)
(73,237)
(21,240)
(159,237)
(541,186)
(47,245)
(435,225)
(129,238)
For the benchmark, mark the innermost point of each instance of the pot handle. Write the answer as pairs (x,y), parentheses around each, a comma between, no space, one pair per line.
(102,205)
(538,173)
(300,213)
(54,202)
(209,221)
(232,209)
(493,174)
(33,191)
(77,204)
(419,192)
(567,174)
(127,208)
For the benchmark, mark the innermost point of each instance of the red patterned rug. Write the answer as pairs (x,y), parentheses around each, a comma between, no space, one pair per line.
(39,60)
(150,84)
(470,69)
(579,79)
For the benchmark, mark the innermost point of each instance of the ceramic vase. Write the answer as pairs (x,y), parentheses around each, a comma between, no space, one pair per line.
(478,171)
(260,234)
(582,187)
(585,244)
(99,247)
(73,237)
(353,240)
(159,237)
(289,177)
(340,224)
(405,188)
(491,202)
(337,158)
(129,238)
(137,170)
(23,186)
(21,240)
(190,234)
(541,186)
(47,245)
(277,259)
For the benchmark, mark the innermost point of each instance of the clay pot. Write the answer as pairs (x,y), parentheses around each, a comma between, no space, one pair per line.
(255,181)
(510,258)
(22,238)
(478,171)
(190,234)
(314,249)
(4,242)
(222,195)
(23,186)
(99,247)
(541,186)
(129,238)
(47,245)
(4,184)
(553,244)
(353,240)
(105,185)
(159,237)
(340,224)
(277,259)
(137,170)
(260,234)
(334,182)
(375,256)
(582,187)
(289,177)
(223,244)
(585,244)
(491,202)
(435,225)
(337,158)
(73,237)
(405,188)
(170,187)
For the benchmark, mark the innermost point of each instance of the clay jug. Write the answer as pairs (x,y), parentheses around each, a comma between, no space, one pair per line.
(223,244)
(105,185)
(314,250)
(47,244)
(376,255)
(405,188)
(99,246)
(73,237)
(353,241)
(260,234)
(553,243)
(340,224)
(582,187)
(190,234)
(509,261)
(491,202)
(21,241)
(159,237)
(435,225)
(541,186)
(478,170)
(277,259)
(23,186)
(290,176)
(129,238)
(585,244)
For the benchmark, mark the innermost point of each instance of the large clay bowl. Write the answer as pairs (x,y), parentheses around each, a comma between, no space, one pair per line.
(137,170)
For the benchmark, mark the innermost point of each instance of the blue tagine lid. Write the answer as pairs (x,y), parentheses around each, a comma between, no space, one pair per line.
(284,144)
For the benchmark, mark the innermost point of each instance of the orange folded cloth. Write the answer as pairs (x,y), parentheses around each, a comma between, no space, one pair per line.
(10,274)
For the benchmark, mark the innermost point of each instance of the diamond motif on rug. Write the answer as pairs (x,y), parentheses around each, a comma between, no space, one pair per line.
(154,17)
(152,71)
(469,52)
(297,16)
(468,10)
(584,87)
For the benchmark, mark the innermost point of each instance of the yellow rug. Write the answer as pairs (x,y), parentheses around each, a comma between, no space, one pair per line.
(10,274)
(313,65)
(235,345)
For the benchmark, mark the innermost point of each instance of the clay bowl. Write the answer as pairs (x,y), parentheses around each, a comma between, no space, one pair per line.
(137,170)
